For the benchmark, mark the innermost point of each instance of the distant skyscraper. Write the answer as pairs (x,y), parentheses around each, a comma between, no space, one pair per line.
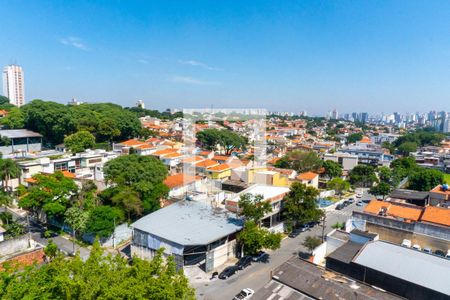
(334,114)
(13,86)
(364,117)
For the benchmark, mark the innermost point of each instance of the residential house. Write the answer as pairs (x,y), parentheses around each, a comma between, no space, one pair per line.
(19,140)
(180,184)
(309,178)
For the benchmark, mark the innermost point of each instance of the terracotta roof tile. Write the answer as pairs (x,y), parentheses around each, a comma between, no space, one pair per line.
(219,168)
(179,179)
(307,176)
(437,215)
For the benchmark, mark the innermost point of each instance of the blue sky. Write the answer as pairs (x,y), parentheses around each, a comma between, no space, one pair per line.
(281,55)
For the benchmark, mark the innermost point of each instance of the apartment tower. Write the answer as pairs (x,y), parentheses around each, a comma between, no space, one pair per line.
(13,85)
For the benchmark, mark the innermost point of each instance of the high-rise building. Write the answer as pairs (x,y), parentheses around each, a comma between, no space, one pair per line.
(334,114)
(13,86)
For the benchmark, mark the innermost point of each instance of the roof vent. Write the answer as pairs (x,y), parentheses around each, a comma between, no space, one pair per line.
(382,211)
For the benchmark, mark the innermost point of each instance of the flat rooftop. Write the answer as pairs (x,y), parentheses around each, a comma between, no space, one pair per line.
(408,194)
(318,283)
(189,223)
(18,133)
(421,268)
(267,191)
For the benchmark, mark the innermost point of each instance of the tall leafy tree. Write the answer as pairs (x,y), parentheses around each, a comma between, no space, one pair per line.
(363,176)
(99,277)
(253,207)
(14,119)
(300,204)
(301,161)
(79,141)
(228,140)
(142,174)
(8,170)
(332,168)
(425,179)
(51,193)
(381,189)
(339,185)
(255,238)
(102,220)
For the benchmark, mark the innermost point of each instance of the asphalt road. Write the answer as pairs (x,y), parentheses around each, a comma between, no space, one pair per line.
(63,244)
(258,274)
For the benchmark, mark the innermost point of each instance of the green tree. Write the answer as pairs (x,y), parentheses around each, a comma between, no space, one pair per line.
(301,161)
(381,189)
(8,170)
(332,169)
(5,103)
(99,277)
(142,174)
(354,137)
(407,147)
(363,176)
(311,243)
(253,207)
(102,220)
(76,218)
(129,201)
(52,120)
(15,119)
(79,141)
(254,238)
(300,204)
(339,185)
(425,179)
(385,174)
(51,193)
(51,250)
(228,140)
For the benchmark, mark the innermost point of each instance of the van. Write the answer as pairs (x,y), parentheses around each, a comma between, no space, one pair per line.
(448,255)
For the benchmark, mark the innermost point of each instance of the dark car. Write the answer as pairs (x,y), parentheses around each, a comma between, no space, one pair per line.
(294,233)
(439,253)
(351,200)
(244,262)
(261,257)
(346,203)
(228,271)
(340,206)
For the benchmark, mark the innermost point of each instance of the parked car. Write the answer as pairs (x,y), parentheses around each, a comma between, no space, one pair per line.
(359,195)
(351,200)
(261,257)
(244,262)
(228,271)
(416,247)
(448,254)
(346,203)
(439,253)
(339,206)
(427,250)
(244,294)
(406,243)
(294,233)
(359,203)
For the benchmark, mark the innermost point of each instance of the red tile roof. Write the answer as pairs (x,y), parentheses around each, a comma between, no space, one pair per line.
(180,179)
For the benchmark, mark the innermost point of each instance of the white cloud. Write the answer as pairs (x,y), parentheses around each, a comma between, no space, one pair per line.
(195,63)
(74,42)
(190,80)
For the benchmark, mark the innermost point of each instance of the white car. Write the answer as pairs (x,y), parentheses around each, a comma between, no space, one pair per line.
(417,247)
(244,294)
(406,243)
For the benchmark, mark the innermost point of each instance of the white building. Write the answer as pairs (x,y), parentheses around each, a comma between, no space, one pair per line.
(13,85)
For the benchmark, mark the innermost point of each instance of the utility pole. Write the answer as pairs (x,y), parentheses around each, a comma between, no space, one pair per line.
(324,217)
(114,234)
(73,241)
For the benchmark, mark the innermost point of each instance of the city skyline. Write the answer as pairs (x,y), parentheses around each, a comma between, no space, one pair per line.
(175,54)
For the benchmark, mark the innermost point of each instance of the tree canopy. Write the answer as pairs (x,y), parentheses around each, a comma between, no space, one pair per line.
(421,138)
(79,141)
(301,161)
(300,204)
(354,137)
(141,174)
(253,207)
(332,168)
(425,179)
(255,238)
(230,141)
(339,185)
(363,176)
(99,277)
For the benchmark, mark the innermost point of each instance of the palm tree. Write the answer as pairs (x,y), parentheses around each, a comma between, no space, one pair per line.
(8,169)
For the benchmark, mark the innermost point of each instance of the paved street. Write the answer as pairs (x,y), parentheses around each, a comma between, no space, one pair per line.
(258,274)
(63,244)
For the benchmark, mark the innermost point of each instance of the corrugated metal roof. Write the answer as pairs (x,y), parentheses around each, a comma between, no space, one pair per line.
(189,223)
(421,268)
(18,133)
(346,252)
